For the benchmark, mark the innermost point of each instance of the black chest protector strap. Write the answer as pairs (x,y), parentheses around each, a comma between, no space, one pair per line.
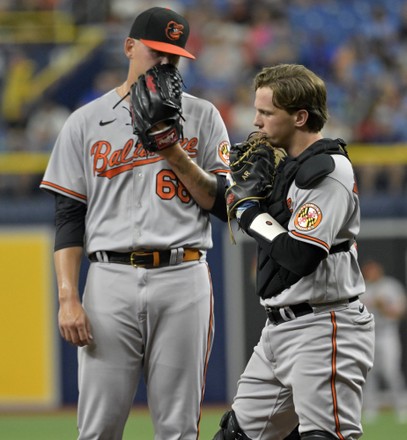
(307,169)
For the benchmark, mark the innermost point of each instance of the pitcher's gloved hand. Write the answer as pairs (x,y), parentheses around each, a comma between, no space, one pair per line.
(155,105)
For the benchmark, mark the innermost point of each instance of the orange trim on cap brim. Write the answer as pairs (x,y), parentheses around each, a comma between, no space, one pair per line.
(167,48)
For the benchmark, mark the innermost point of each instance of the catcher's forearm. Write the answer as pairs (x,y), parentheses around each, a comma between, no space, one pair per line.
(255,222)
(295,256)
(266,226)
(200,184)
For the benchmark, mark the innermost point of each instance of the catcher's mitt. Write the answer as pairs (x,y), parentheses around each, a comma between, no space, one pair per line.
(156,99)
(253,165)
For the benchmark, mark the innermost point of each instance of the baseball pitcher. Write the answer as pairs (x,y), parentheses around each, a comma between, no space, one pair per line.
(136,174)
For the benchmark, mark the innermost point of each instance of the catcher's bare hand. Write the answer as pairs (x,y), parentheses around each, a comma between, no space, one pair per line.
(155,104)
(74,324)
(253,165)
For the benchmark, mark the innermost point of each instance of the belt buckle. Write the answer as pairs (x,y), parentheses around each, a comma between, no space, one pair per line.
(287,313)
(135,254)
(280,314)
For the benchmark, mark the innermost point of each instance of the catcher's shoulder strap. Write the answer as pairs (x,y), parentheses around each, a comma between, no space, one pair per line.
(316,162)
(307,169)
(316,168)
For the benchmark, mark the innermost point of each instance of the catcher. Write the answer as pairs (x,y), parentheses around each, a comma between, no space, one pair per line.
(302,208)
(136,195)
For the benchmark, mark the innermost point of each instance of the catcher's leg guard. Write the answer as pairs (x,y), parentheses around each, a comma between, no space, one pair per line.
(230,429)
(317,435)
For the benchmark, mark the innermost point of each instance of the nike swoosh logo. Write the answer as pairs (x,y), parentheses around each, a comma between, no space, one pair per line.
(102,123)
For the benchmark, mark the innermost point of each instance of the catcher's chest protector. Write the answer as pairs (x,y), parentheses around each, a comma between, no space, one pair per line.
(310,166)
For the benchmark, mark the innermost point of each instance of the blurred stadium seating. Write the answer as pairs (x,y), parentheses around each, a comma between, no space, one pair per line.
(55,55)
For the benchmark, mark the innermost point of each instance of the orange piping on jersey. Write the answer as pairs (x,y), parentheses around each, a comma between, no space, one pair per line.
(220,171)
(208,350)
(113,172)
(64,190)
(308,238)
(333,377)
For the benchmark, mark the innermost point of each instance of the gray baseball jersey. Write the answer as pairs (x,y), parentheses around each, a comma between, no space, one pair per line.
(311,369)
(159,321)
(326,216)
(96,160)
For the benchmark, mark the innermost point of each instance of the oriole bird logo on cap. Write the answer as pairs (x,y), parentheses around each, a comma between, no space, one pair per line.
(174,30)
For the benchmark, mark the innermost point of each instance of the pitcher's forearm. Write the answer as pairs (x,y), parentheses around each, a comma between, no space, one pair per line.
(200,184)
(67,266)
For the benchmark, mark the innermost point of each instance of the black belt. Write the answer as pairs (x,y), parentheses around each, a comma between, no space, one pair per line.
(147,259)
(278,315)
(342,247)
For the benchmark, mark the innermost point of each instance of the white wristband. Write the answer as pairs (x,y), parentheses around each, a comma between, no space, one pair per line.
(265,225)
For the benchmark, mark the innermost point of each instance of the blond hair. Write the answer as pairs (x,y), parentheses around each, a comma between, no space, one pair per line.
(296,88)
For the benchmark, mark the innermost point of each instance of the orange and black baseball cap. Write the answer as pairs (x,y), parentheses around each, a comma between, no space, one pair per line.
(162,29)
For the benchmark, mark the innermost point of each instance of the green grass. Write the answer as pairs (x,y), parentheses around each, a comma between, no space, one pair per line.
(61,425)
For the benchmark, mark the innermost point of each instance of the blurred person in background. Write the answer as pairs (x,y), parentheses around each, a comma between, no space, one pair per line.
(44,123)
(103,81)
(386,299)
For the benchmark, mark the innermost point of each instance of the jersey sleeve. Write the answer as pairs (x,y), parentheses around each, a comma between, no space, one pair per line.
(205,124)
(65,170)
(216,152)
(320,213)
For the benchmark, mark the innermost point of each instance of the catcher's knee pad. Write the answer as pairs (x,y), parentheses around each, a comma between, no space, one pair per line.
(230,429)
(317,435)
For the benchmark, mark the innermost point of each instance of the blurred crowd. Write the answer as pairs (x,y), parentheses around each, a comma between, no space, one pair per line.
(358,46)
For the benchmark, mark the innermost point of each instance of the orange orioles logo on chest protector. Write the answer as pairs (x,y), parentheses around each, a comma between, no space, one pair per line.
(308,217)
(174,31)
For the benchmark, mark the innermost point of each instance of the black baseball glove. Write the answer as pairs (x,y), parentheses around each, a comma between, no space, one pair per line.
(156,99)
(253,165)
